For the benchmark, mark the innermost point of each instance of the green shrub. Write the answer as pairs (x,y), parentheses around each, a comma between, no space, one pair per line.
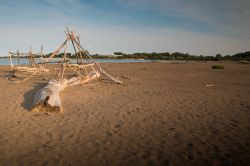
(217,67)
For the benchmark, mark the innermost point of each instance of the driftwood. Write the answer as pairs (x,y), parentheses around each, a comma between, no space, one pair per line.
(33,72)
(31,68)
(127,77)
(110,77)
(80,66)
(48,100)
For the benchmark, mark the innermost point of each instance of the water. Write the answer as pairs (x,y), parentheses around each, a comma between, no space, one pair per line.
(6,61)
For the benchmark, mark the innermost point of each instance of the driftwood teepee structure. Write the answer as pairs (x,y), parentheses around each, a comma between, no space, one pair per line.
(47,99)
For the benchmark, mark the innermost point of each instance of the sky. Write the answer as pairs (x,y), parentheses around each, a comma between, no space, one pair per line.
(197,27)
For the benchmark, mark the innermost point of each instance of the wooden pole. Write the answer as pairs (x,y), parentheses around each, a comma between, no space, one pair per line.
(57,50)
(11,64)
(18,57)
(80,52)
(42,55)
(72,39)
(64,55)
(30,57)
(64,61)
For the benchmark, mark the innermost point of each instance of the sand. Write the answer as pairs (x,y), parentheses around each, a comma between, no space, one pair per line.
(166,114)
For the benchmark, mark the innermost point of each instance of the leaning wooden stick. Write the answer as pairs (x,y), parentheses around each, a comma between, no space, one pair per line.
(57,50)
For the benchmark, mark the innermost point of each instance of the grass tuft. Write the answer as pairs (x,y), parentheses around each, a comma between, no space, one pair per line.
(217,67)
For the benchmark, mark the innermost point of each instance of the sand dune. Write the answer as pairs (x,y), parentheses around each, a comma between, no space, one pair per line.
(165,115)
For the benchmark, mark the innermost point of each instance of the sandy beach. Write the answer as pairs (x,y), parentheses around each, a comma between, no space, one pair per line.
(166,114)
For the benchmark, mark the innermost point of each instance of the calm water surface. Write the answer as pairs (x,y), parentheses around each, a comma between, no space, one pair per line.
(5,61)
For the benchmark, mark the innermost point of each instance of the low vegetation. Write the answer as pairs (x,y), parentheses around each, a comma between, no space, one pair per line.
(178,56)
(217,67)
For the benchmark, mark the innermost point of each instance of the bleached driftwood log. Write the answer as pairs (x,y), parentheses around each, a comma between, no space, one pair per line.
(48,100)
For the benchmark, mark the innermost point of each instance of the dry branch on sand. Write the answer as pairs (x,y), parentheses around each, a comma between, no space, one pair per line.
(48,100)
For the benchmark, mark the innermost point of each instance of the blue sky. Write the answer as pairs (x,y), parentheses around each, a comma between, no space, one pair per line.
(200,27)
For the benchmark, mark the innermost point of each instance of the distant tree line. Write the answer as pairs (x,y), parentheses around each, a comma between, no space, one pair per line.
(183,56)
(162,56)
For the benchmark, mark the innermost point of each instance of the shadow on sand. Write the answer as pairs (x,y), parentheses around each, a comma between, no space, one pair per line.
(29,96)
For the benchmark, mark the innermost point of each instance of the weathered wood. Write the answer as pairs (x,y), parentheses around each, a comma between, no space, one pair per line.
(11,64)
(112,78)
(18,57)
(73,44)
(42,54)
(80,66)
(79,74)
(57,50)
(34,71)
(30,69)
(127,77)
(99,67)
(48,99)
